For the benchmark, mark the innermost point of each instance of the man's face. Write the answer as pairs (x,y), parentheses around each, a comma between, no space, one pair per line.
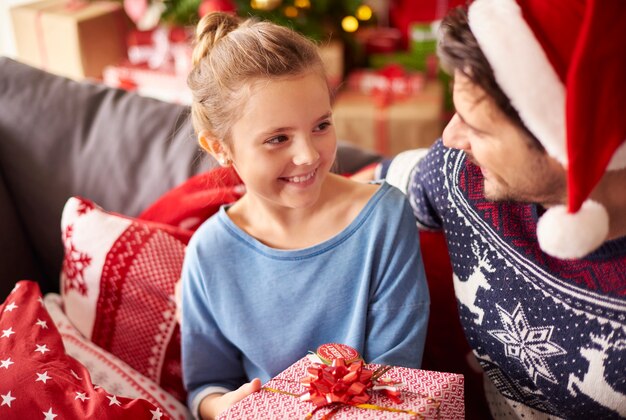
(514,168)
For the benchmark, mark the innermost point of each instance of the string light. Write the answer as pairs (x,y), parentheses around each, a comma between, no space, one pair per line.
(291,12)
(364,12)
(266,5)
(302,4)
(350,24)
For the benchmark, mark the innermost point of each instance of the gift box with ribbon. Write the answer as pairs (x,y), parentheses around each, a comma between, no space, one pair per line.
(347,389)
(72,38)
(389,110)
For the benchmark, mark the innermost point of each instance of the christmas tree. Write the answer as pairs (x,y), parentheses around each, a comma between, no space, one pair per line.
(317,19)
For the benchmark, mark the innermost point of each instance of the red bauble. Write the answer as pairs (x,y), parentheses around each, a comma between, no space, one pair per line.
(209,6)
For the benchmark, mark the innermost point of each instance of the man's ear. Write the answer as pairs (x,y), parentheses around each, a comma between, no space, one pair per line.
(214,147)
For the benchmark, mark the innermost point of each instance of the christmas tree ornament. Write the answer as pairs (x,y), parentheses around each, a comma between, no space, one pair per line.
(302,4)
(210,6)
(291,12)
(265,5)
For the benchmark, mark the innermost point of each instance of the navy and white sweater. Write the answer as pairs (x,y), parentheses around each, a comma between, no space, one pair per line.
(550,334)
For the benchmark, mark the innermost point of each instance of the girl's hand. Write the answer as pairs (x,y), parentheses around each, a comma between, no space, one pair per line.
(213,405)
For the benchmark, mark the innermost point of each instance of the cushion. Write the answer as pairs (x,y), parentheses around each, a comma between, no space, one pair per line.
(40,380)
(117,285)
(106,370)
(195,200)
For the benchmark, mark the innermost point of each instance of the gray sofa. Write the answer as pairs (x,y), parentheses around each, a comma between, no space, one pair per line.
(60,138)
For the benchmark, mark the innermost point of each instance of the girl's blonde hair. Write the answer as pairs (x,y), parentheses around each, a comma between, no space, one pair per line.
(231,54)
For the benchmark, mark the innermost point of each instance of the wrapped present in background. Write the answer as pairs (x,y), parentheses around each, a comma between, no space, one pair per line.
(392,392)
(162,46)
(390,110)
(76,39)
(163,83)
(421,54)
(159,61)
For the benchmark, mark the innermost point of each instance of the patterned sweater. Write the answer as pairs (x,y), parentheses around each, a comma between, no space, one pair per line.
(550,334)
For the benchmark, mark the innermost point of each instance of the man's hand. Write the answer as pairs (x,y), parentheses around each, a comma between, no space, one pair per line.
(213,405)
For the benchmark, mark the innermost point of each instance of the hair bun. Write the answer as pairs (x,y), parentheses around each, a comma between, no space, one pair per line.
(211,28)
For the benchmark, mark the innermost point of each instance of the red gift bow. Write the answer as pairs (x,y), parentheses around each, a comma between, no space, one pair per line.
(344,383)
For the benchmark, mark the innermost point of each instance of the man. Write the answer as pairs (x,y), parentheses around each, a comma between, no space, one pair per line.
(529,186)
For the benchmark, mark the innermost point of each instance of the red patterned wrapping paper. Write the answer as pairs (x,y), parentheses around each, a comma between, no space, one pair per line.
(425,395)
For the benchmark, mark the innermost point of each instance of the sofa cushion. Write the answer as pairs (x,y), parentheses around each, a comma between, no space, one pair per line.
(38,377)
(118,288)
(107,370)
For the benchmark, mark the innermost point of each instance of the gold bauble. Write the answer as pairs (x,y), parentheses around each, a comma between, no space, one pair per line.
(265,5)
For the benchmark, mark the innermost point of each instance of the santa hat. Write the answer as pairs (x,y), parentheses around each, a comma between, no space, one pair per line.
(562,63)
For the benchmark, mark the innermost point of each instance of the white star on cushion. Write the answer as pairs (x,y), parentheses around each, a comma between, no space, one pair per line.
(10,307)
(6,399)
(530,345)
(81,396)
(113,400)
(7,333)
(42,324)
(49,414)
(43,377)
(6,363)
(42,349)
(156,414)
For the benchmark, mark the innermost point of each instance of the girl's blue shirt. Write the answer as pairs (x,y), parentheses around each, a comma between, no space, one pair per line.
(250,310)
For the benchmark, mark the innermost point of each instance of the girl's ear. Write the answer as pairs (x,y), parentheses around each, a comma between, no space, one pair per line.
(214,147)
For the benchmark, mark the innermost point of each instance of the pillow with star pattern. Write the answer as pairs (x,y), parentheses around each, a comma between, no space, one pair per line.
(117,285)
(38,380)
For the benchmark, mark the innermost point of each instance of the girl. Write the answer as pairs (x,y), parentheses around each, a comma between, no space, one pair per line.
(305,257)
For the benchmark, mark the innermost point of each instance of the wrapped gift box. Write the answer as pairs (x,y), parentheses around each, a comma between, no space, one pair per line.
(163,83)
(75,39)
(424,394)
(389,127)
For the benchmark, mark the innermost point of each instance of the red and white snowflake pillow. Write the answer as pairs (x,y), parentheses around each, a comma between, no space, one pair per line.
(39,380)
(117,284)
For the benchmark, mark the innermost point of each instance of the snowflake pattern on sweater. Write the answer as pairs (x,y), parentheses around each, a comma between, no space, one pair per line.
(550,334)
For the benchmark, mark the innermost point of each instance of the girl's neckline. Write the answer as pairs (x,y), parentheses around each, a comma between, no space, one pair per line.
(298,253)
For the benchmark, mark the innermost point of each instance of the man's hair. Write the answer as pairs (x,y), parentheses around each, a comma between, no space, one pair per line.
(459,50)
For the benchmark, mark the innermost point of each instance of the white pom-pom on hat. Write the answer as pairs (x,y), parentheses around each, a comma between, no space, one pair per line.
(573,235)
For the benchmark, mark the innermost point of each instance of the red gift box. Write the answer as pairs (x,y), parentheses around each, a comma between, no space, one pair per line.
(163,83)
(424,394)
